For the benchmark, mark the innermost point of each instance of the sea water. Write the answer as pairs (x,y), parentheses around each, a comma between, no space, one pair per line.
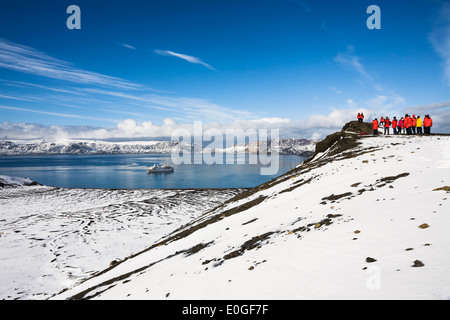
(128,171)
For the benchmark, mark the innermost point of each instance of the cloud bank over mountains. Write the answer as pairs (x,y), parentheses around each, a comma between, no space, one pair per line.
(315,127)
(129,129)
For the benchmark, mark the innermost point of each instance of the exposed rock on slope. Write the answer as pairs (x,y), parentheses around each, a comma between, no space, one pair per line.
(12,182)
(343,140)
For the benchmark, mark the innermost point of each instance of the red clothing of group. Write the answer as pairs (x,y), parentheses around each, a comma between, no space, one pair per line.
(407,125)
(375,124)
(394,123)
(408,122)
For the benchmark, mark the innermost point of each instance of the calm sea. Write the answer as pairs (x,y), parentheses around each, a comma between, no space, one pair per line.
(128,171)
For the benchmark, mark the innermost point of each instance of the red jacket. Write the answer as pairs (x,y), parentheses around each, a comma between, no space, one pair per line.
(387,123)
(427,122)
(394,123)
(375,124)
(408,122)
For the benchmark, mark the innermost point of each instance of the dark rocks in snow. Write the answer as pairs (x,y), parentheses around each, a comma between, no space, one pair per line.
(197,248)
(338,196)
(418,264)
(254,242)
(446,188)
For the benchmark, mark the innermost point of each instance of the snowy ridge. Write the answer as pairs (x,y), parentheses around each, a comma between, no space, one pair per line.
(285,146)
(95,147)
(289,146)
(368,220)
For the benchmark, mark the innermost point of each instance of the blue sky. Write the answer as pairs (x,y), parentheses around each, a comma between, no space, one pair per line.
(140,69)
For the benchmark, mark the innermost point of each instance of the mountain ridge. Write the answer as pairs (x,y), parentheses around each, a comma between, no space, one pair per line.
(284,146)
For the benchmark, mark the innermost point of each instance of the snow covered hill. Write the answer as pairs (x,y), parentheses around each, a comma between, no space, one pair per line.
(52,238)
(365,218)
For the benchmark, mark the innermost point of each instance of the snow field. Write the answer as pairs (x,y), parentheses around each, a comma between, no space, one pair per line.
(367,252)
(363,224)
(53,238)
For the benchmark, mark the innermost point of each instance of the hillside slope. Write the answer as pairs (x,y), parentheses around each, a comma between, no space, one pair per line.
(365,218)
(51,238)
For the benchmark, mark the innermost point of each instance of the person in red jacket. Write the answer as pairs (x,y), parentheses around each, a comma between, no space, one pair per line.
(408,123)
(414,124)
(375,127)
(360,117)
(401,126)
(394,125)
(427,124)
(387,124)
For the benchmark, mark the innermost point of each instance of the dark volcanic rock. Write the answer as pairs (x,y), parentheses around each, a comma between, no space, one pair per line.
(418,264)
(343,140)
(358,127)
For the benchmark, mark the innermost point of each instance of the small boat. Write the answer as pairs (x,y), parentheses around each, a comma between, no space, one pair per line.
(160,168)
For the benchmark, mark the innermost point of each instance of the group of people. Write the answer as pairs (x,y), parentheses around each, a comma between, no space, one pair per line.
(406,125)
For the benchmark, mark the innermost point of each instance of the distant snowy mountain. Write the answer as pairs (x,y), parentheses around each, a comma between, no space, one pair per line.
(285,146)
(302,147)
(95,147)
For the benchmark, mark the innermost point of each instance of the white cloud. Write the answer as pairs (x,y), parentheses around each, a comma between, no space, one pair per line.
(29,60)
(59,114)
(439,112)
(304,4)
(14,98)
(201,109)
(337,91)
(185,57)
(349,59)
(440,38)
(128,46)
(384,103)
(314,127)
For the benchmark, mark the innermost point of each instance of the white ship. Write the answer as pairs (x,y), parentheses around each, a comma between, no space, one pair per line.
(160,168)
